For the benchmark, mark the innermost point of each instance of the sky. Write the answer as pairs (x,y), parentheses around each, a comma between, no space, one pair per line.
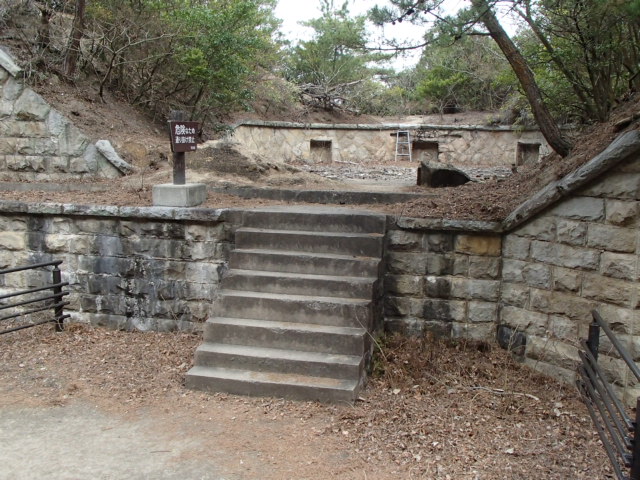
(291,12)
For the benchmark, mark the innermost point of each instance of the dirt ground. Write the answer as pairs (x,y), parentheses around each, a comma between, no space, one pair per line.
(431,411)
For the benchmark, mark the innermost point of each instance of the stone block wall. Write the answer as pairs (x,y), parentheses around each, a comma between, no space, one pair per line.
(129,268)
(446,282)
(532,286)
(36,142)
(458,145)
(578,255)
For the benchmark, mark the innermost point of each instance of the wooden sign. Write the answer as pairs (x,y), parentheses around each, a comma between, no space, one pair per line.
(183,136)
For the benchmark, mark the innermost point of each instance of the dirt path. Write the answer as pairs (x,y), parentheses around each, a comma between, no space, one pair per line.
(81,441)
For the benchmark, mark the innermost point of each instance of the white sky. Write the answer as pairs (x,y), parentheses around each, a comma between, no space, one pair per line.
(292,12)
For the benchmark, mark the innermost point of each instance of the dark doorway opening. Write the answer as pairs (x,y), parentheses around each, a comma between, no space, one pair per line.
(527,153)
(320,151)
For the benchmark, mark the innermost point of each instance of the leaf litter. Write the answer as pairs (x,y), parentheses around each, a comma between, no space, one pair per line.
(432,408)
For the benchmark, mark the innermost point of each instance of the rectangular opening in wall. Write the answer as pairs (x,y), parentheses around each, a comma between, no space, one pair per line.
(424,151)
(527,153)
(320,150)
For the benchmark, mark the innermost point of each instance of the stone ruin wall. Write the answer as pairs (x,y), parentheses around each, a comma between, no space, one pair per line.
(38,144)
(534,287)
(151,268)
(128,268)
(531,287)
(471,146)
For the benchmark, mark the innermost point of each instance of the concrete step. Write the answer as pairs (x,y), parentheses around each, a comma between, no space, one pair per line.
(336,311)
(259,359)
(313,219)
(358,244)
(304,262)
(300,284)
(294,311)
(297,387)
(286,335)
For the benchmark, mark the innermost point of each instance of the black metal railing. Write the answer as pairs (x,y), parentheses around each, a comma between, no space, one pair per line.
(39,299)
(618,432)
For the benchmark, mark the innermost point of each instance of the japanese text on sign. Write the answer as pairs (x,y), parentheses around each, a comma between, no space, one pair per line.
(183,136)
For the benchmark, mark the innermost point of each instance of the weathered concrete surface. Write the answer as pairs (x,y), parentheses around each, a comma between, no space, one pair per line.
(188,195)
(295,335)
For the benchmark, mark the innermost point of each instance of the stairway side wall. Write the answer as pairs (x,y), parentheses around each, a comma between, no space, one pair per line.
(533,288)
(125,271)
(442,281)
(581,254)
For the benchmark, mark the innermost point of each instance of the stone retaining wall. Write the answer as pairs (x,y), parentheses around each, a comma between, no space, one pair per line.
(38,144)
(460,145)
(532,281)
(579,255)
(132,268)
(442,281)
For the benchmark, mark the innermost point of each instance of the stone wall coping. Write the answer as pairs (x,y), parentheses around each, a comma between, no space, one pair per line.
(376,127)
(620,149)
(220,214)
(9,64)
(147,213)
(477,226)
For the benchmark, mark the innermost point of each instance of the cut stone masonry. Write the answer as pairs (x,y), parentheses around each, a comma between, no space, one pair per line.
(38,144)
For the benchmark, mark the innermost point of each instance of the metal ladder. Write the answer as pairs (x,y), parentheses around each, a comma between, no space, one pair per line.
(403,144)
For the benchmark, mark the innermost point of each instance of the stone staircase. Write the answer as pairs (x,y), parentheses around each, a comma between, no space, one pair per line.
(296,309)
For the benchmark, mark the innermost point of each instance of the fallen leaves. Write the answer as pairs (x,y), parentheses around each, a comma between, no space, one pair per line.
(432,410)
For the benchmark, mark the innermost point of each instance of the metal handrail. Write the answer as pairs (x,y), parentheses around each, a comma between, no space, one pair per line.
(34,310)
(32,290)
(593,366)
(620,435)
(51,302)
(55,263)
(616,343)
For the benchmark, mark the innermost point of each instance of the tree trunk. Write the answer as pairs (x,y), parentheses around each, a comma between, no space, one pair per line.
(546,123)
(73,50)
(574,80)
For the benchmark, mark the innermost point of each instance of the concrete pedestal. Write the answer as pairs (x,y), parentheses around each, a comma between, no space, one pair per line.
(170,195)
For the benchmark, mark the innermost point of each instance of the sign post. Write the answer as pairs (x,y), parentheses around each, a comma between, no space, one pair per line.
(183,136)
(183,139)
